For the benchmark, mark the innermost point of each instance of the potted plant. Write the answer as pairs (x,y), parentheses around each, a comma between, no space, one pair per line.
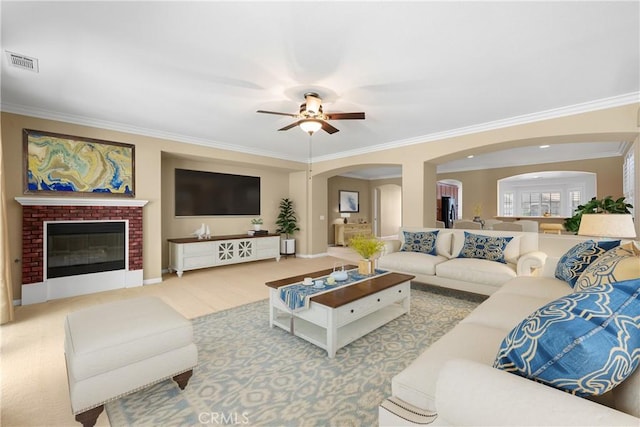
(367,247)
(595,206)
(287,223)
(257,224)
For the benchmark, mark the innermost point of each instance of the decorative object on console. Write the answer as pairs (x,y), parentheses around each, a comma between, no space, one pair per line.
(595,206)
(257,223)
(484,247)
(367,247)
(55,163)
(349,202)
(583,343)
(202,232)
(287,223)
(345,217)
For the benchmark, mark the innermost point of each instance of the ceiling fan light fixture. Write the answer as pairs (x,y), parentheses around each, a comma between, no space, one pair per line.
(313,103)
(310,126)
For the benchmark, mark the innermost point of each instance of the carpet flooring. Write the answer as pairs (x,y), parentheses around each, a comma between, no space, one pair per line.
(251,374)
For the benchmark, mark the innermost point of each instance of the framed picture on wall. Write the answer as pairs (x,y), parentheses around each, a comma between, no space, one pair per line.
(349,201)
(77,166)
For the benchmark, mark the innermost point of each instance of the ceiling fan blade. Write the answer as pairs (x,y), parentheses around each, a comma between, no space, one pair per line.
(328,128)
(292,125)
(345,116)
(278,113)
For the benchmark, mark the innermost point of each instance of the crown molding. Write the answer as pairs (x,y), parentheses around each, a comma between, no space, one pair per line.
(599,104)
(136,130)
(585,107)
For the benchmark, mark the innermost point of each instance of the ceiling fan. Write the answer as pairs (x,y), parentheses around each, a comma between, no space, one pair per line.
(311,118)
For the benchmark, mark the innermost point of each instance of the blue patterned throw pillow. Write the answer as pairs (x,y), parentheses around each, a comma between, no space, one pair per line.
(484,247)
(421,241)
(585,343)
(577,259)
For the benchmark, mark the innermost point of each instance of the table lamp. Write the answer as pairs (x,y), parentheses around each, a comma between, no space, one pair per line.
(607,225)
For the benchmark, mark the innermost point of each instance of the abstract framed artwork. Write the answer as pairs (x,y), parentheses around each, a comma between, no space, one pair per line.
(349,201)
(76,166)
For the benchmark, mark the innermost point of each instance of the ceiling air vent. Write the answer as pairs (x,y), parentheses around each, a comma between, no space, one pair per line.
(23,62)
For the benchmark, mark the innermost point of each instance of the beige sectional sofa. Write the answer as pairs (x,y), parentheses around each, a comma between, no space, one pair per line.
(453,382)
(467,274)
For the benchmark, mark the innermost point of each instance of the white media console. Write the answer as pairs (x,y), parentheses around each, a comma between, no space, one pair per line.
(190,253)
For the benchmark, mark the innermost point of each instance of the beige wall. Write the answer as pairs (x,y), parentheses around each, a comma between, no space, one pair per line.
(481,186)
(274,186)
(150,175)
(417,160)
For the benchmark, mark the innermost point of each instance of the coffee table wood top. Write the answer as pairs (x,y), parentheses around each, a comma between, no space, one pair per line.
(346,294)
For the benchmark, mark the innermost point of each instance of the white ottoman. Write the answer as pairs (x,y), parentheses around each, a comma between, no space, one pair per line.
(117,348)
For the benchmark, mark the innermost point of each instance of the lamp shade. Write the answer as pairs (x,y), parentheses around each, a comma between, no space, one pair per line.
(310,125)
(607,225)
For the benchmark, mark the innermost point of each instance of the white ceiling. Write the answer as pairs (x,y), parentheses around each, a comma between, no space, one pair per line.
(197,71)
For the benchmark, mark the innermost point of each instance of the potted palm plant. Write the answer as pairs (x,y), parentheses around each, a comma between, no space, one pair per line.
(367,247)
(287,223)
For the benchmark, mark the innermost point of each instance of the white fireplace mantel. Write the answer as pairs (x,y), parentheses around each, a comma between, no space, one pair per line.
(74,201)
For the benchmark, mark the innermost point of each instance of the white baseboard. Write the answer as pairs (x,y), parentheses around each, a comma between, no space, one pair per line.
(64,287)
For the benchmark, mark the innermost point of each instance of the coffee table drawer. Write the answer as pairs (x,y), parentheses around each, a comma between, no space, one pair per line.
(364,306)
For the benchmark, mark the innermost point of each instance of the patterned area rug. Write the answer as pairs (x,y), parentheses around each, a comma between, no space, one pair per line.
(251,374)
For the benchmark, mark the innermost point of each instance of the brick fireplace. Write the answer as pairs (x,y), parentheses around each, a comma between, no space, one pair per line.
(38,211)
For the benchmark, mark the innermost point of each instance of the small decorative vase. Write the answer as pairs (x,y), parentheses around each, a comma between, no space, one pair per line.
(257,227)
(365,266)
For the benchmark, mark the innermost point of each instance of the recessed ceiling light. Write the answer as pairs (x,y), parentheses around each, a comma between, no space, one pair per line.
(470,156)
(545,146)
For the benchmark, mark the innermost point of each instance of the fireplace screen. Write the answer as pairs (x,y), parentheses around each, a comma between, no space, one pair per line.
(75,248)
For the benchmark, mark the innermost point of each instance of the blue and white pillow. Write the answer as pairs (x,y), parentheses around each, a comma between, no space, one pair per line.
(585,343)
(420,241)
(484,247)
(578,258)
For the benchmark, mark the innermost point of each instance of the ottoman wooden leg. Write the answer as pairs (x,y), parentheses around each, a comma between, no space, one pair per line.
(89,418)
(183,379)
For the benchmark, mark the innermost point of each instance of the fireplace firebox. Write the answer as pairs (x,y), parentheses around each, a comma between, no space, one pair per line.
(84,247)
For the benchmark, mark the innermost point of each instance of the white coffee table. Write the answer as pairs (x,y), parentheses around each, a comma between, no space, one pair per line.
(337,318)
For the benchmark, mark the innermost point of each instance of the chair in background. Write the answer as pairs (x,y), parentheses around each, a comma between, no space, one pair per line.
(508,226)
(551,228)
(528,225)
(489,223)
(467,225)
(440,224)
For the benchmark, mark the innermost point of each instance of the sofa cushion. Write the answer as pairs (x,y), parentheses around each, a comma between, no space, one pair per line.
(548,288)
(617,264)
(585,343)
(416,384)
(476,271)
(411,262)
(480,246)
(504,310)
(416,241)
(577,259)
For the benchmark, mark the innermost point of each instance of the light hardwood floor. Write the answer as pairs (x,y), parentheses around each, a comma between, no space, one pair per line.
(32,365)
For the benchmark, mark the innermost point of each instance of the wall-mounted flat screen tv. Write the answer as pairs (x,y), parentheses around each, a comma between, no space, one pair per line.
(200,193)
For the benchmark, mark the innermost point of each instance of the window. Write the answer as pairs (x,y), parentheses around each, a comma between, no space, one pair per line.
(628,172)
(507,204)
(539,203)
(575,198)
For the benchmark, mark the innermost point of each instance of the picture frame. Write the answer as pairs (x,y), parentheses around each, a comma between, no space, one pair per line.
(349,201)
(77,166)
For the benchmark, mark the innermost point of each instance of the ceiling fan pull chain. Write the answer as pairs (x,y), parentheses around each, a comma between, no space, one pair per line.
(310,170)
